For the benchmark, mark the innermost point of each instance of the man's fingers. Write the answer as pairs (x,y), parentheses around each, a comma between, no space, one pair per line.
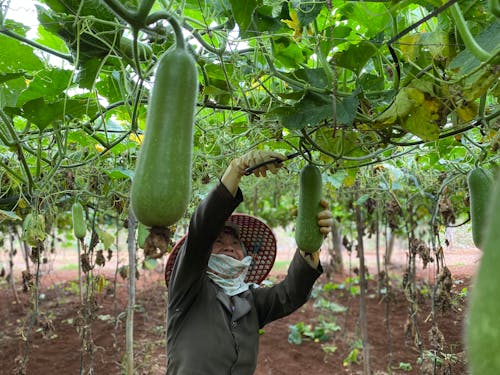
(324,203)
(325,221)
(325,230)
(325,214)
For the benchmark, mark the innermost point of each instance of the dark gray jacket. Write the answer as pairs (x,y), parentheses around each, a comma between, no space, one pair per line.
(209,333)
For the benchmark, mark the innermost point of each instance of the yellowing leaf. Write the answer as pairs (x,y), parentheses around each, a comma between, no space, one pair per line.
(101,282)
(406,100)
(106,238)
(422,212)
(410,46)
(99,148)
(467,112)
(422,121)
(349,181)
(22,203)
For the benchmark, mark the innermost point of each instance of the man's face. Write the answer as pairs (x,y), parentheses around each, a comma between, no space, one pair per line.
(227,244)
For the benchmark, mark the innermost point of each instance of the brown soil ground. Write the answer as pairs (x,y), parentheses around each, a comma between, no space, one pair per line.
(54,345)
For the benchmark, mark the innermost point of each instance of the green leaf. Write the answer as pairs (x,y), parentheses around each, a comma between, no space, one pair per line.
(374,17)
(119,173)
(371,82)
(268,19)
(87,72)
(6,77)
(356,56)
(307,11)
(43,114)
(50,40)
(10,92)
(106,238)
(17,57)
(243,12)
(295,335)
(489,40)
(150,264)
(314,109)
(109,86)
(333,36)
(46,84)
(314,77)
(289,53)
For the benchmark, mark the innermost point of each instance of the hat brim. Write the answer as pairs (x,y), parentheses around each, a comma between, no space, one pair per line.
(259,241)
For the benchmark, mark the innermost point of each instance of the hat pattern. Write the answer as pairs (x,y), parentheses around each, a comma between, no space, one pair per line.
(259,241)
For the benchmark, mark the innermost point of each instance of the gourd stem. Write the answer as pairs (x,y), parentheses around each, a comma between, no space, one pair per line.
(144,8)
(465,34)
(179,36)
(124,13)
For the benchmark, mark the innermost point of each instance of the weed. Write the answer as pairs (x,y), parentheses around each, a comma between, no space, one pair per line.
(319,333)
(405,366)
(353,356)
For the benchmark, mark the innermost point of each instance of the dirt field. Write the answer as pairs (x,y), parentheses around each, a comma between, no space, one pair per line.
(53,344)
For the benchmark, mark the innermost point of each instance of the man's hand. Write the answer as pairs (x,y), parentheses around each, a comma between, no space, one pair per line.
(256,157)
(325,218)
(325,222)
(236,169)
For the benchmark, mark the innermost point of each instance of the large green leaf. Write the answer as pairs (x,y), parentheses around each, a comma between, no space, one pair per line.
(17,57)
(373,17)
(289,54)
(88,70)
(48,84)
(109,87)
(42,114)
(314,109)
(333,36)
(356,56)
(10,91)
(119,173)
(268,19)
(51,40)
(307,11)
(5,77)
(243,12)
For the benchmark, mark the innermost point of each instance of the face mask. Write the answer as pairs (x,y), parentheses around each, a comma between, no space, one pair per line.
(229,273)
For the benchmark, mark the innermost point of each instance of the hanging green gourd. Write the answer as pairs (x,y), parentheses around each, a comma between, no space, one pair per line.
(307,232)
(78,217)
(161,185)
(480,183)
(482,330)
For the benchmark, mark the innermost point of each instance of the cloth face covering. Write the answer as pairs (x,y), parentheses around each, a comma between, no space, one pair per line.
(229,273)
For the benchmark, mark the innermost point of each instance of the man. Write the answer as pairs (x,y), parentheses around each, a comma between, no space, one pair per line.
(215,309)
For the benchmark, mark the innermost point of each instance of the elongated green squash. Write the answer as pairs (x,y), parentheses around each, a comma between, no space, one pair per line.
(482,319)
(78,216)
(479,181)
(161,186)
(307,233)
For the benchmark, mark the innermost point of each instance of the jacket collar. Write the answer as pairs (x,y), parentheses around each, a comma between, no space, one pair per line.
(240,303)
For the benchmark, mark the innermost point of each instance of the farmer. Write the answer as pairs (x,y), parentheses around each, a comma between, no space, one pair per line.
(215,307)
